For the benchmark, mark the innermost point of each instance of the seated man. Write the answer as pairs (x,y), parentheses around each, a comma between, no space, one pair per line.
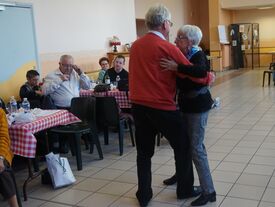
(31,89)
(104,63)
(7,186)
(64,83)
(117,70)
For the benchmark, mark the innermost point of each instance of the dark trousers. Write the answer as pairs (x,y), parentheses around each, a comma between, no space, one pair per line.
(148,123)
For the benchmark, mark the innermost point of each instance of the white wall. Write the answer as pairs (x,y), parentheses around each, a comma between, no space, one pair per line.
(175,7)
(81,28)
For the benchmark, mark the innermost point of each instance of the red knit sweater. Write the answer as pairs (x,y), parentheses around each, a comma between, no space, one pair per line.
(149,84)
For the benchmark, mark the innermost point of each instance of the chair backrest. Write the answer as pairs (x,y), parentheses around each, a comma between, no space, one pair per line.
(272,66)
(84,108)
(107,111)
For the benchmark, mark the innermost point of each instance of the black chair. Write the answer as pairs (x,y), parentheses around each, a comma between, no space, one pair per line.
(269,72)
(108,115)
(85,109)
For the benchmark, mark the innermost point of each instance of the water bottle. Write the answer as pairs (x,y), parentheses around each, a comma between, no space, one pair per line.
(117,80)
(26,105)
(107,79)
(13,105)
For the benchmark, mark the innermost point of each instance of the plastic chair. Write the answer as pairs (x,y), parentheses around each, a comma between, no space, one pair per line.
(85,109)
(269,72)
(108,115)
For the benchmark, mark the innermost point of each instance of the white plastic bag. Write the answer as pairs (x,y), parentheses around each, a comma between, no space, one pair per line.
(60,170)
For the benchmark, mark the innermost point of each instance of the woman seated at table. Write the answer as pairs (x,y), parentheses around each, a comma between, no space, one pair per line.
(7,186)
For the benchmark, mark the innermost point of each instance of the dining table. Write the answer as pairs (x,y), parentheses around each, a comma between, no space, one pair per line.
(122,97)
(22,134)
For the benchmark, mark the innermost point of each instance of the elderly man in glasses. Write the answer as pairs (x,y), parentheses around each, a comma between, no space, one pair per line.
(64,83)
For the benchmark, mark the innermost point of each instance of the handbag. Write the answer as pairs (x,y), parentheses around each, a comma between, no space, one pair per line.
(60,170)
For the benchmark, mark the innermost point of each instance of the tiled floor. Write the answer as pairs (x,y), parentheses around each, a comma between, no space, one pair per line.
(241,147)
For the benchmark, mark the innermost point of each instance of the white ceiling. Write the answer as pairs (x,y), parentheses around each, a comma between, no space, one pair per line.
(245,4)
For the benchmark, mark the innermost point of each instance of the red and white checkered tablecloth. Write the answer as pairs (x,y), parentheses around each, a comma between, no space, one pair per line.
(23,141)
(121,96)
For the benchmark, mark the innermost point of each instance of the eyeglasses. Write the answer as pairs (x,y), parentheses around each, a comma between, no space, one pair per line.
(170,23)
(181,37)
(67,65)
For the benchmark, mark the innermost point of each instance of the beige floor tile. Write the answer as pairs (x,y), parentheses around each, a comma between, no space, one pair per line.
(238,158)
(132,192)
(253,179)
(122,165)
(116,188)
(271,183)
(160,204)
(223,176)
(71,196)
(266,152)
(128,177)
(157,180)
(244,150)
(234,202)
(222,149)
(218,156)
(266,204)
(107,174)
(165,170)
(168,196)
(269,195)
(161,159)
(125,202)
(259,169)
(90,184)
(46,192)
(29,203)
(51,204)
(253,144)
(246,191)
(222,188)
(263,160)
(87,171)
(98,200)
(231,166)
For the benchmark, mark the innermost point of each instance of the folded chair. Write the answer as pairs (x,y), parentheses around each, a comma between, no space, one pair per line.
(108,115)
(85,109)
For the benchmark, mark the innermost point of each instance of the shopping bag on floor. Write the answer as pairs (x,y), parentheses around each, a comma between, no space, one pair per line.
(60,170)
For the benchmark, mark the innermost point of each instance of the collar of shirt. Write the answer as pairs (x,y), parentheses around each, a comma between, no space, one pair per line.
(157,33)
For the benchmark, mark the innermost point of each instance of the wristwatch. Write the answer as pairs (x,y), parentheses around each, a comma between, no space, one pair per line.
(2,158)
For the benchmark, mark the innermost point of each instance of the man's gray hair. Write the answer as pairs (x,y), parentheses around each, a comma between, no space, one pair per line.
(193,33)
(156,15)
(64,57)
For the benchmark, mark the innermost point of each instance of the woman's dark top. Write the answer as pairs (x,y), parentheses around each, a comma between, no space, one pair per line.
(202,101)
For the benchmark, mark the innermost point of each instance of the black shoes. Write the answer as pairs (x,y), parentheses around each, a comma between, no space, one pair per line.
(204,199)
(145,199)
(170,181)
(196,191)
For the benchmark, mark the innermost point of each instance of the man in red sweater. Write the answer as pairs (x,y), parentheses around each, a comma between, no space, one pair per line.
(153,93)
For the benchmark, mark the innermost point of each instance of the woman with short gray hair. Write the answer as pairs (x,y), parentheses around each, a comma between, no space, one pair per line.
(195,101)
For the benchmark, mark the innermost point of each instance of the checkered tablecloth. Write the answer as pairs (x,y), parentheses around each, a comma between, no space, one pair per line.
(121,96)
(23,141)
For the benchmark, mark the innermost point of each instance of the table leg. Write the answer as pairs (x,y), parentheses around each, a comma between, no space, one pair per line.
(31,176)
